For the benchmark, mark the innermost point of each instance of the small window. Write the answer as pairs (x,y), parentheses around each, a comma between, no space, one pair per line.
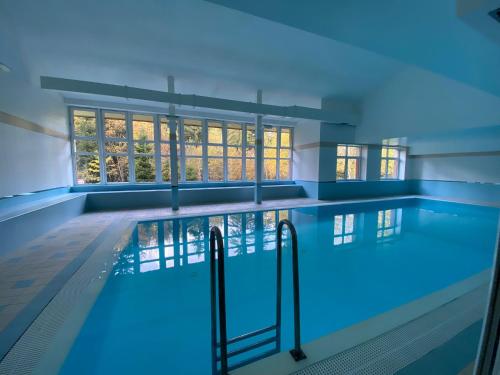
(348,162)
(390,162)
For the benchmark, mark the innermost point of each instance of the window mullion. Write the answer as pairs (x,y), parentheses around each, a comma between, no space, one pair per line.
(157,149)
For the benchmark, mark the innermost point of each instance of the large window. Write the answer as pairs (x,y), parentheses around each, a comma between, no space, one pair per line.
(123,147)
(390,160)
(348,162)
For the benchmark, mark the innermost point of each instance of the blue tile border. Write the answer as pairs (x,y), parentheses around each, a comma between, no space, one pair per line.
(15,329)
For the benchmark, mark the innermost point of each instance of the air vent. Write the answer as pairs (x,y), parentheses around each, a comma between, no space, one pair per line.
(495,14)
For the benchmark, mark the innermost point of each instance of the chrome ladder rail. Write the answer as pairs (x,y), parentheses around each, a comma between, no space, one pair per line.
(218,286)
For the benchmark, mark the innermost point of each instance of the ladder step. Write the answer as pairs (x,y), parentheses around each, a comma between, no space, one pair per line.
(249,334)
(250,347)
(253,359)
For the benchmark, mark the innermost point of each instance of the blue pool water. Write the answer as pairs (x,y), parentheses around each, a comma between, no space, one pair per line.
(356,261)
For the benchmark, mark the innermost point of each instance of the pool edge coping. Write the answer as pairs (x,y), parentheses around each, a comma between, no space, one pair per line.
(346,338)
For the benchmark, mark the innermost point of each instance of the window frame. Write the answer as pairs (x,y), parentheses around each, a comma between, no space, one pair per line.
(387,158)
(346,159)
(158,156)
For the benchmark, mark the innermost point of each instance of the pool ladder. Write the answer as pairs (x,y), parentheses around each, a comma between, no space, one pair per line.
(220,351)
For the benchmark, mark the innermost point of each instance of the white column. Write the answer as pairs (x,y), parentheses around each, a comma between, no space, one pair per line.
(259,152)
(174,172)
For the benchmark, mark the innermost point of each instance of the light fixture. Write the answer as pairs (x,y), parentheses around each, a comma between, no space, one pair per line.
(4,68)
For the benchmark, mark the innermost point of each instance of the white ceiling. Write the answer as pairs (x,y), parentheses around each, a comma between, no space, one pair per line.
(210,49)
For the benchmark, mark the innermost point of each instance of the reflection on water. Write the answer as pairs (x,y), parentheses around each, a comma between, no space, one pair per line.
(389,224)
(175,243)
(344,229)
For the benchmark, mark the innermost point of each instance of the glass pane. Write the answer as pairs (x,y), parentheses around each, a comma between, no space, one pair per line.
(383,166)
(285,138)
(393,153)
(193,131)
(144,169)
(165,168)
(144,147)
(214,132)
(270,137)
(115,147)
(269,169)
(341,150)
(117,168)
(250,166)
(269,152)
(234,151)
(384,152)
(215,170)
(115,125)
(337,226)
(194,169)
(193,150)
(250,135)
(86,146)
(165,149)
(353,151)
(250,152)
(341,169)
(234,134)
(87,169)
(352,169)
(143,128)
(84,123)
(392,169)
(285,153)
(215,151)
(234,169)
(284,169)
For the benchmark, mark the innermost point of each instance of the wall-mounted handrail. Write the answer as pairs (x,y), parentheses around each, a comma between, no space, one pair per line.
(296,352)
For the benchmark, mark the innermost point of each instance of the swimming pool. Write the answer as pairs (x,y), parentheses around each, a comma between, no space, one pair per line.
(356,261)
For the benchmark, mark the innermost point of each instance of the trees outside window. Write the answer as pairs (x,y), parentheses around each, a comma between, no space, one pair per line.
(86,147)
(144,149)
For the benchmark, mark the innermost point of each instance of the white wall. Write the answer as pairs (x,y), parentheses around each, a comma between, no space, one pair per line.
(306,150)
(29,160)
(436,115)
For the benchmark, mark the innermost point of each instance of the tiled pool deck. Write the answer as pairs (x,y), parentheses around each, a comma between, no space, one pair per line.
(33,274)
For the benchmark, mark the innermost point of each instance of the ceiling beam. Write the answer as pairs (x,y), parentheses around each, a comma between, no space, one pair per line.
(87,87)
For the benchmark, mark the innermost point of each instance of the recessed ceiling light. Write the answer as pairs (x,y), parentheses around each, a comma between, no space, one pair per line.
(4,68)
